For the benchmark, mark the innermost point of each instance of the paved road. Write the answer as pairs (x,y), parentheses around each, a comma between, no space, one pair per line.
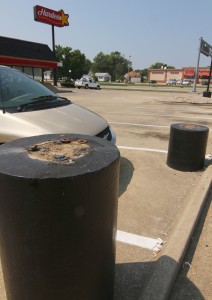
(195,277)
(143,119)
(152,196)
(156,88)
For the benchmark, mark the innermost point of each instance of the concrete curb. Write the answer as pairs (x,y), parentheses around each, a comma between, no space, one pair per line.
(164,271)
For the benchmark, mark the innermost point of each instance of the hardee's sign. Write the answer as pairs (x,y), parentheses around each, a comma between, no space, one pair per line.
(49,16)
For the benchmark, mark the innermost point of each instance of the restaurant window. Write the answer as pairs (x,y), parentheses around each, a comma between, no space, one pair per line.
(18,68)
(188,77)
(204,77)
(28,71)
(38,74)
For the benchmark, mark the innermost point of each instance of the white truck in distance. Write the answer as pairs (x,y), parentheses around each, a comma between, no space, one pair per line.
(87,83)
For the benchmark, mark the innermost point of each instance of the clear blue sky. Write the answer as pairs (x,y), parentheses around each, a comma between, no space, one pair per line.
(167,31)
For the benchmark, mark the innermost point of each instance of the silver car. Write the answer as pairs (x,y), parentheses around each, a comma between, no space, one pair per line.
(186,82)
(27,108)
(171,82)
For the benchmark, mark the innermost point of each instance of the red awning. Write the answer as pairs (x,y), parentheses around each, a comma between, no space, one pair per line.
(188,72)
(14,61)
(203,73)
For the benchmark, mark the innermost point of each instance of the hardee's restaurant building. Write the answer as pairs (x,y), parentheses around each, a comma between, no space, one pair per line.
(29,57)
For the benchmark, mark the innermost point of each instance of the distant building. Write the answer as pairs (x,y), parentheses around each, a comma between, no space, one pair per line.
(162,75)
(133,77)
(203,73)
(106,77)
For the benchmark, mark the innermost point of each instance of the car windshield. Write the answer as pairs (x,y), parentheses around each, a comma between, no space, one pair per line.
(20,92)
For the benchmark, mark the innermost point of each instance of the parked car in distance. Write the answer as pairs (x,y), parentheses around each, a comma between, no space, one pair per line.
(28,108)
(179,82)
(69,83)
(152,81)
(171,82)
(204,82)
(87,83)
(186,82)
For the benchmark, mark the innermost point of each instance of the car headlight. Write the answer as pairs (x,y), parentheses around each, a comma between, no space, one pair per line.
(108,134)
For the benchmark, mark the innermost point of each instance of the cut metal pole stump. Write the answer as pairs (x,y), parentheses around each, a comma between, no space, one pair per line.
(58,214)
(187,146)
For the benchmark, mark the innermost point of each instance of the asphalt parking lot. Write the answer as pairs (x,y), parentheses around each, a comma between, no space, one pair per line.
(152,196)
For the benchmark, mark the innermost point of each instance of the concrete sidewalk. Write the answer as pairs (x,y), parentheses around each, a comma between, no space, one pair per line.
(161,278)
(195,278)
(153,278)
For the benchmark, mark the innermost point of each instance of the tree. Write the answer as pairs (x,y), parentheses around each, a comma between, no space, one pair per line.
(160,65)
(114,64)
(75,64)
(144,74)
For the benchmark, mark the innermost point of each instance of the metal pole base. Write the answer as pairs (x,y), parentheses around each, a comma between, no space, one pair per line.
(207,94)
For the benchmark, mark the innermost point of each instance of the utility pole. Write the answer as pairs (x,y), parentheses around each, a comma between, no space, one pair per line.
(129,67)
(197,68)
(53,48)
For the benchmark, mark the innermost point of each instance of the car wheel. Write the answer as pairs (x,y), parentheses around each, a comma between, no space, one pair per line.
(98,87)
(86,86)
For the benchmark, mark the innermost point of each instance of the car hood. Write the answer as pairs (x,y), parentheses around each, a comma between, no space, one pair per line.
(71,118)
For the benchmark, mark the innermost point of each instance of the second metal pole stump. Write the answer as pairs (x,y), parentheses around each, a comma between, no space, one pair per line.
(187,146)
(58,212)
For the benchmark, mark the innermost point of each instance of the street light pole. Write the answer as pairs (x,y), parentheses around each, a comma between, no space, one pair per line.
(129,67)
(129,64)
(197,68)
(53,48)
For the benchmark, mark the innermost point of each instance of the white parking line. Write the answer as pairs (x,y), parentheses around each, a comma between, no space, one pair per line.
(203,111)
(143,149)
(142,125)
(138,240)
(136,124)
(157,115)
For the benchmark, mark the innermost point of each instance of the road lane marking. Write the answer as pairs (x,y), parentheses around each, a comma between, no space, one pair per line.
(143,149)
(136,124)
(143,125)
(195,110)
(139,240)
(157,115)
